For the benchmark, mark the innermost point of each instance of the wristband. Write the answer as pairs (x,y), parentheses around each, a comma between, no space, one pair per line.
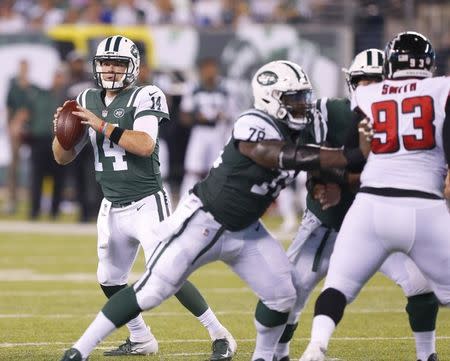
(116,134)
(299,157)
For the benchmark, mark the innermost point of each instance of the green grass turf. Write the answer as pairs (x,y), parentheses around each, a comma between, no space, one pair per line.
(49,295)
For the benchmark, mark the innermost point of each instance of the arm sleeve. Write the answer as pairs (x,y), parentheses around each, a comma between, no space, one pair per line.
(253,128)
(446,132)
(150,100)
(147,124)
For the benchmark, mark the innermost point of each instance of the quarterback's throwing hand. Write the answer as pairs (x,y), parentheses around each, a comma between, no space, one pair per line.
(89,118)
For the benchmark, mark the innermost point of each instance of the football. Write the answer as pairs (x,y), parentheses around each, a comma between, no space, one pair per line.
(69,129)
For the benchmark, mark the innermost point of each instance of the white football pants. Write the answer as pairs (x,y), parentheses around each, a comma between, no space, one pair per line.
(310,254)
(191,238)
(121,231)
(377,226)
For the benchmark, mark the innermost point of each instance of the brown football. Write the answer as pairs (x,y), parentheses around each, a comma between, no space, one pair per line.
(69,129)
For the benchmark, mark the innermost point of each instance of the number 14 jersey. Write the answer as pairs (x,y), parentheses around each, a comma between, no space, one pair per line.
(407,146)
(124,176)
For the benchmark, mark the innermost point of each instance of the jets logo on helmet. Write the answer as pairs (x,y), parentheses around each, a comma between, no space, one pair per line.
(282,89)
(367,65)
(117,48)
(267,78)
(409,54)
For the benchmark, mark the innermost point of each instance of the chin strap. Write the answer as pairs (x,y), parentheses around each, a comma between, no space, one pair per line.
(300,157)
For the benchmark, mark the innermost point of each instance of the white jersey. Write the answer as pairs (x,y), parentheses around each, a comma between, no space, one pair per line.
(407,147)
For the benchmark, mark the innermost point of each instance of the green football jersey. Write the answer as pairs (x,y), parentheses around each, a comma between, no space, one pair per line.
(123,176)
(237,191)
(337,119)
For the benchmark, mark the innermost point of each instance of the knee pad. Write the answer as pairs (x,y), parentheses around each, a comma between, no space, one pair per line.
(111,290)
(422,311)
(331,303)
(269,317)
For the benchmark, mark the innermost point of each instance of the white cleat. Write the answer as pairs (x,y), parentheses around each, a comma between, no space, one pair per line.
(314,352)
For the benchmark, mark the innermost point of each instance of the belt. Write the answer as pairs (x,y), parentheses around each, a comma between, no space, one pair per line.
(121,204)
(396,192)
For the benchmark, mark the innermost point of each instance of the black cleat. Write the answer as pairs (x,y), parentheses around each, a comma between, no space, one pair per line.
(432,357)
(221,350)
(72,354)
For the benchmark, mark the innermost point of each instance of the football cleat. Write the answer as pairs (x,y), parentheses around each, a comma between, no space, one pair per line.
(134,348)
(73,354)
(223,349)
(432,357)
(314,352)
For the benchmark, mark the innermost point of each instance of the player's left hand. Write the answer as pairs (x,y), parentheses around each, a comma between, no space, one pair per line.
(365,136)
(89,118)
(330,196)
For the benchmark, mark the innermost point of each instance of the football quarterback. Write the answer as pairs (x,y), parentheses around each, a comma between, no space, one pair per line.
(123,124)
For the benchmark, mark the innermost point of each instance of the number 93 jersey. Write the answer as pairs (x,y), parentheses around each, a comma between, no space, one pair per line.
(124,176)
(237,191)
(407,147)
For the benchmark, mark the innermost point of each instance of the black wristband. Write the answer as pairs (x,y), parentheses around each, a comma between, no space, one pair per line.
(355,158)
(116,134)
(301,157)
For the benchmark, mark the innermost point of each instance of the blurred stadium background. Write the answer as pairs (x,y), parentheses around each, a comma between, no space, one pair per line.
(39,269)
(174,35)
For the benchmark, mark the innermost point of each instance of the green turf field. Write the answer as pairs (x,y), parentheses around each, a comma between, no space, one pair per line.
(49,295)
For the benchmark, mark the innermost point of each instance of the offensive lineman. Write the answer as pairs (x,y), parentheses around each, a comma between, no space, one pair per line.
(219,220)
(400,206)
(329,198)
(123,124)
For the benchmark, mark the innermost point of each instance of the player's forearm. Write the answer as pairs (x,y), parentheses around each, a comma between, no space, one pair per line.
(61,155)
(264,153)
(133,141)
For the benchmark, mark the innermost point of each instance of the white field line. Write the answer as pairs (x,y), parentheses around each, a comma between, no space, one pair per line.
(155,313)
(28,275)
(242,340)
(47,228)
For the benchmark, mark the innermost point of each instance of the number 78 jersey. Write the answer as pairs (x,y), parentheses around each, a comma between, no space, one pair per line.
(407,146)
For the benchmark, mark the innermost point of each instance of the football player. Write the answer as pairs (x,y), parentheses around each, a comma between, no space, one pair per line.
(123,122)
(206,108)
(400,205)
(329,198)
(219,220)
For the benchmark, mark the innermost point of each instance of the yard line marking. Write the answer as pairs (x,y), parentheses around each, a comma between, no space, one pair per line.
(156,313)
(47,228)
(112,342)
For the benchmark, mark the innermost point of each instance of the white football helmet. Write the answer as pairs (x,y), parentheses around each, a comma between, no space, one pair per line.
(282,89)
(117,48)
(368,64)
